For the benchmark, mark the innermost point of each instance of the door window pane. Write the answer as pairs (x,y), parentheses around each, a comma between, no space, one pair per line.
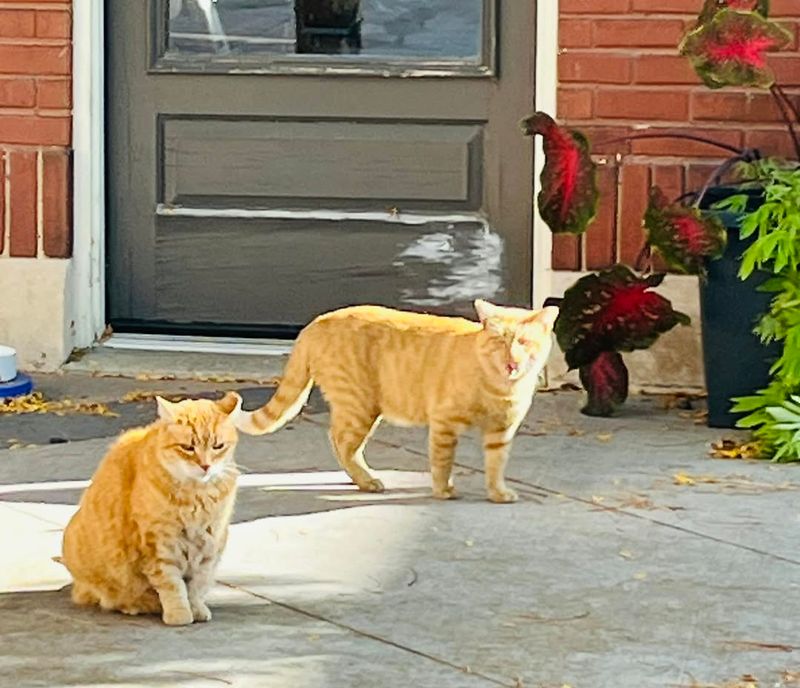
(447,30)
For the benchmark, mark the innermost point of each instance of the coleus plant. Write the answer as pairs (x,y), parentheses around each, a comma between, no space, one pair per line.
(616,310)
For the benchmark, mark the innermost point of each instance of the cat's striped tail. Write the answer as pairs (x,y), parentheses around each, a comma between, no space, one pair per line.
(291,395)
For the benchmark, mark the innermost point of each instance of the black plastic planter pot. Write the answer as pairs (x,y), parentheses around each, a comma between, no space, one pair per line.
(736,362)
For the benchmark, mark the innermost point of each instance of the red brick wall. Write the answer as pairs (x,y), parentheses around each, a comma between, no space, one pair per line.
(35,128)
(618,72)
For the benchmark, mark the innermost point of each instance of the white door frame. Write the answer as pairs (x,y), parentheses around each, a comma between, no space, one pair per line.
(88,126)
(88,183)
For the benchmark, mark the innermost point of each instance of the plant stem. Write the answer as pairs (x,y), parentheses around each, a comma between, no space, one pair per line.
(644,262)
(717,175)
(788,101)
(786,108)
(674,135)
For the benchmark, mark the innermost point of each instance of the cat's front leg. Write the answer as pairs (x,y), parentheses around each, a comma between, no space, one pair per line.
(496,449)
(442,441)
(198,586)
(168,582)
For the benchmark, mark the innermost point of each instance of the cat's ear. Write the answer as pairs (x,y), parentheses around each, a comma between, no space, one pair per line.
(230,404)
(166,409)
(546,317)
(485,310)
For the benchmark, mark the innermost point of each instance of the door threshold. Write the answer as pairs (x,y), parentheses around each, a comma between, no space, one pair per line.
(198,345)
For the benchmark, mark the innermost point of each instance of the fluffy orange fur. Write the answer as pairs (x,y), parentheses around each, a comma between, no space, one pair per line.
(413,369)
(152,525)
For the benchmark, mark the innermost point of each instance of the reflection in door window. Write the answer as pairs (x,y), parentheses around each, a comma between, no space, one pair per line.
(391,29)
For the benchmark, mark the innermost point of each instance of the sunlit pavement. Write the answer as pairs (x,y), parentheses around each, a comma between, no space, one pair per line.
(632,559)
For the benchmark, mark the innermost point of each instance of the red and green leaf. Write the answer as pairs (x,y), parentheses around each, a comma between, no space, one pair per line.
(606,381)
(684,236)
(730,49)
(612,310)
(711,7)
(569,195)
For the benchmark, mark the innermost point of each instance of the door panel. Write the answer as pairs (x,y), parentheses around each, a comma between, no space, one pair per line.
(213,162)
(255,184)
(437,267)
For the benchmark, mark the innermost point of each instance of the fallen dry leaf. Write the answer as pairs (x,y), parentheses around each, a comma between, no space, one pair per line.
(790,676)
(734,484)
(147,395)
(744,681)
(641,575)
(605,437)
(574,432)
(686,479)
(733,449)
(637,502)
(626,554)
(36,403)
(144,377)
(532,433)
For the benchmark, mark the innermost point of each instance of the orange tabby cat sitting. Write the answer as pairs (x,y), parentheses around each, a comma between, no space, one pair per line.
(413,369)
(152,525)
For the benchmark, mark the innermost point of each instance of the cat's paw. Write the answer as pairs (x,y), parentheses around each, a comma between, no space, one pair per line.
(179,616)
(371,485)
(448,492)
(502,496)
(201,612)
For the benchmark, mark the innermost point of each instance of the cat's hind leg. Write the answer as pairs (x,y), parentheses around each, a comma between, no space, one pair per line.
(83,594)
(349,433)
(442,440)
(146,603)
(496,449)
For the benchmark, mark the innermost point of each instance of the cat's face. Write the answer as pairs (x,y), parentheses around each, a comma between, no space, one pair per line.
(516,342)
(199,437)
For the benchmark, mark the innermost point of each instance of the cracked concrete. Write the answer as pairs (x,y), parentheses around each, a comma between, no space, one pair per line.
(606,573)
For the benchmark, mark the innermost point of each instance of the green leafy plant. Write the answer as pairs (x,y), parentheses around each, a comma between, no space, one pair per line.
(613,310)
(775,226)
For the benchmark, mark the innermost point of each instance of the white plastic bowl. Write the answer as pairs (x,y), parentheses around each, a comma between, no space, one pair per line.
(8,363)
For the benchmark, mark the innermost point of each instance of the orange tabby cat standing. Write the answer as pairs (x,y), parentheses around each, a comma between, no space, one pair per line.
(413,369)
(152,525)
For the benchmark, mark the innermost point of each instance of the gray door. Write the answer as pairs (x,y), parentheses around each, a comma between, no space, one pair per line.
(273,159)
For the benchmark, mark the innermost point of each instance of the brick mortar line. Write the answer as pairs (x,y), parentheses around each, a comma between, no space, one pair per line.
(35,42)
(633,50)
(635,15)
(39,203)
(8,76)
(692,88)
(13,147)
(5,189)
(34,112)
(36,6)
(651,126)
(370,636)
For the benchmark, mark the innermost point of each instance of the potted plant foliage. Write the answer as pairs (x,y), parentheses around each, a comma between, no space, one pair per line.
(616,310)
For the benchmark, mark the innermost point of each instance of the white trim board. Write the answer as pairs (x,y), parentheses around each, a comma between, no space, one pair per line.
(199,345)
(546,100)
(88,176)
